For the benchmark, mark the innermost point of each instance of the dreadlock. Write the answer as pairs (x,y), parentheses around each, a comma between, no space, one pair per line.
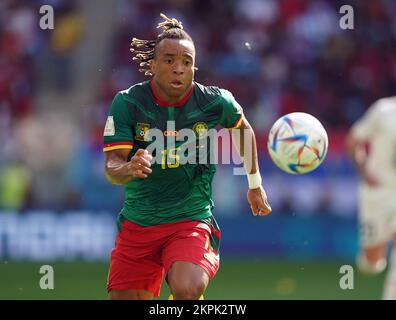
(143,50)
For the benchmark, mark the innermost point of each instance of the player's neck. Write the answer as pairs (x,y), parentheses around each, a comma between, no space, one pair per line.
(164,100)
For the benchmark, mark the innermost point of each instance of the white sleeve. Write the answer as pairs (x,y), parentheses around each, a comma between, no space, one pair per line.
(367,126)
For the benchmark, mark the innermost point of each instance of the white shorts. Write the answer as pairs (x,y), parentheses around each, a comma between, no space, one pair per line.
(377,215)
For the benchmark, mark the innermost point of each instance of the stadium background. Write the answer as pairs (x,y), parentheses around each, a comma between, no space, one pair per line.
(275,56)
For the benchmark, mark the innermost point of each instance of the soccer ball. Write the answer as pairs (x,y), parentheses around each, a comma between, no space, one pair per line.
(297,143)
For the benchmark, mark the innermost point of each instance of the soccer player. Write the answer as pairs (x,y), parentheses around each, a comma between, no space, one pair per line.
(166,227)
(371,144)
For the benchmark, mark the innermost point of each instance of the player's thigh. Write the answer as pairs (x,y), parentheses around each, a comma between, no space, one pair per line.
(375,229)
(186,277)
(375,253)
(379,249)
(130,295)
(135,263)
(189,259)
(374,239)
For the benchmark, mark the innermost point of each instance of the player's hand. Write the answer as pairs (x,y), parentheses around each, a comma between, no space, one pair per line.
(371,179)
(258,201)
(139,165)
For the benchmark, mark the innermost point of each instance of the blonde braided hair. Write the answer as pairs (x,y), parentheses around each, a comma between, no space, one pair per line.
(144,50)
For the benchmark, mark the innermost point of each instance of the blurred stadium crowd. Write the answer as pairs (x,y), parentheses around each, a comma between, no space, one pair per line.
(275,56)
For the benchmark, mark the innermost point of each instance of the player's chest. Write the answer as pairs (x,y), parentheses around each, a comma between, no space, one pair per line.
(171,122)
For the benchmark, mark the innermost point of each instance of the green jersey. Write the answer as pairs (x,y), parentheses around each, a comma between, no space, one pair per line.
(174,191)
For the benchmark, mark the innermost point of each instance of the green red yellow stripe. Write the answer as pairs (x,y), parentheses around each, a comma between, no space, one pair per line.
(117,145)
(237,124)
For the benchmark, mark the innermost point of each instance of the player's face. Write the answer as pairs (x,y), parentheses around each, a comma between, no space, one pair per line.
(173,67)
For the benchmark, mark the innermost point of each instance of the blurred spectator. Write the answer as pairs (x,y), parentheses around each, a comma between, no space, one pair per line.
(15,181)
(64,39)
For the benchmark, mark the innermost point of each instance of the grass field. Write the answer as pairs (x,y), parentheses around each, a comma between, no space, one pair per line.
(256,279)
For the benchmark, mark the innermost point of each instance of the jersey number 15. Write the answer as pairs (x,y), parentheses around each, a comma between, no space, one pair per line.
(170,158)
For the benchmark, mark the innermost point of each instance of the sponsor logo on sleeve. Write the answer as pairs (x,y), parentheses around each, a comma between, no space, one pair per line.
(109,128)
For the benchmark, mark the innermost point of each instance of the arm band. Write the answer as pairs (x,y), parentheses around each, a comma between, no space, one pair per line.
(254,180)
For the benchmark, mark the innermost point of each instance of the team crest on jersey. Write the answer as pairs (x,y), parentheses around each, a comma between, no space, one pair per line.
(142,130)
(201,130)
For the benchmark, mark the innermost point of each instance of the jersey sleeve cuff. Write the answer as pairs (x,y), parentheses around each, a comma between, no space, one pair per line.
(237,124)
(117,145)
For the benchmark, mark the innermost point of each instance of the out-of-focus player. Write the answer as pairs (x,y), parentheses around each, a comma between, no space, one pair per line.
(371,144)
(166,227)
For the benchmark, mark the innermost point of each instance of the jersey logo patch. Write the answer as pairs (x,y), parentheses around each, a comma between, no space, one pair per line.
(109,128)
(142,130)
(173,133)
(200,130)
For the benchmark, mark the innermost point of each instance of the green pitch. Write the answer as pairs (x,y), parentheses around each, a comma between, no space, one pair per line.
(257,279)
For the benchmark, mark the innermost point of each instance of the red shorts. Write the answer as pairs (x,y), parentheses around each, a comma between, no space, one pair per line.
(143,255)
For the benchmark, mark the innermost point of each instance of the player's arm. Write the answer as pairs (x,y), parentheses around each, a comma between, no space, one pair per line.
(358,139)
(247,147)
(119,170)
(356,149)
(244,141)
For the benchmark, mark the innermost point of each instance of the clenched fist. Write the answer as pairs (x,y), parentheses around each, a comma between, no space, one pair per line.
(258,201)
(139,165)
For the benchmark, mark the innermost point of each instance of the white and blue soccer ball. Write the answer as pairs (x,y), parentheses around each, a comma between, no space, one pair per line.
(297,143)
